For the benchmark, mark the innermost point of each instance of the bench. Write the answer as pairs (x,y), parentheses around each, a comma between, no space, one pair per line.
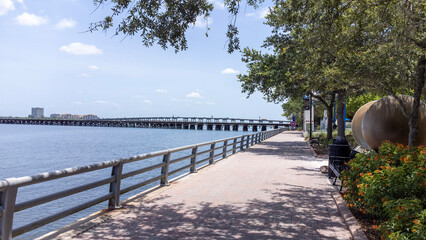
(336,166)
(316,140)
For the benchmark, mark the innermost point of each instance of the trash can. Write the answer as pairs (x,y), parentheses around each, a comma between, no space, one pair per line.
(339,153)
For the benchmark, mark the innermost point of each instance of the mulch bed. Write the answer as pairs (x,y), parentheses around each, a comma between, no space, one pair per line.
(366,224)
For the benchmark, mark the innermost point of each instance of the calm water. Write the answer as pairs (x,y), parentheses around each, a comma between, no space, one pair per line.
(31,149)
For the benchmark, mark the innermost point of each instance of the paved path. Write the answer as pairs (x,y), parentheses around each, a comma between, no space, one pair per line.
(273,190)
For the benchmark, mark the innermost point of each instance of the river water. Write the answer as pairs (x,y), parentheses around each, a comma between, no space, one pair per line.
(31,149)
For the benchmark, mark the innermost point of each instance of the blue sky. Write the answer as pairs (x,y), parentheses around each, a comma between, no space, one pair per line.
(48,60)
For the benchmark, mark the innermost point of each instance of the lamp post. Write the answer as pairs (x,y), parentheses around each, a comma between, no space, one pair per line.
(310,118)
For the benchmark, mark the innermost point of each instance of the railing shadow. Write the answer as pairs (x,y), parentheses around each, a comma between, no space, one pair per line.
(289,215)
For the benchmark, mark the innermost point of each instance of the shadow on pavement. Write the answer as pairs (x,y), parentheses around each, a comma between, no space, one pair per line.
(290,215)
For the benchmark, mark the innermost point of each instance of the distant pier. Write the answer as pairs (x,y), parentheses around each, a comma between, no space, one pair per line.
(194,123)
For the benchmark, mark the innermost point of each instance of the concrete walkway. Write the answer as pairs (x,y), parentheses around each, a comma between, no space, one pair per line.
(274,190)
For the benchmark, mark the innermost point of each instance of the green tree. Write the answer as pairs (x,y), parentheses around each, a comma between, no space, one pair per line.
(354,103)
(388,41)
(294,107)
(330,48)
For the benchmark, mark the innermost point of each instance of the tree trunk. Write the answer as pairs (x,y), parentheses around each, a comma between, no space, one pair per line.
(340,114)
(330,117)
(421,65)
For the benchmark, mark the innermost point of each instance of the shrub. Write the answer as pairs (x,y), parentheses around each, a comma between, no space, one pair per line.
(390,186)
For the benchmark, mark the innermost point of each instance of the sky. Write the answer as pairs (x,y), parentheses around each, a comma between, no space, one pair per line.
(49,60)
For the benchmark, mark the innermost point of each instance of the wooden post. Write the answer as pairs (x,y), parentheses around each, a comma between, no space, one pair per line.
(7,202)
(234,147)
(242,143)
(248,142)
(211,161)
(114,187)
(165,170)
(193,168)
(225,143)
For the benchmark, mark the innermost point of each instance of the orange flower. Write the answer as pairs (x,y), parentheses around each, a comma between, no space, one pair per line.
(414,230)
(359,200)
(374,227)
(376,157)
(384,199)
(369,174)
(416,221)
(382,167)
(361,174)
(402,209)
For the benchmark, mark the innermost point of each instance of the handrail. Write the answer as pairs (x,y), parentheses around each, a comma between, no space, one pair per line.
(9,187)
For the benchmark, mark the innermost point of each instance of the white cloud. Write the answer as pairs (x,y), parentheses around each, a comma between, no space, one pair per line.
(77,103)
(65,23)
(208,103)
(105,102)
(6,6)
(27,19)
(161,90)
(84,75)
(147,101)
(259,14)
(93,67)
(193,95)
(78,48)
(229,71)
(203,22)
(218,3)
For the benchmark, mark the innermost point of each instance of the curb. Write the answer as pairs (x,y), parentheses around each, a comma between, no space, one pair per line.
(349,219)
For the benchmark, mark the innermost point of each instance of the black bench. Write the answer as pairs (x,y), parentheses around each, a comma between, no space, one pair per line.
(336,166)
(316,140)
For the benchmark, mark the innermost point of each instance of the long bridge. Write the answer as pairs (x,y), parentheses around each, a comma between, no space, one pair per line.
(199,123)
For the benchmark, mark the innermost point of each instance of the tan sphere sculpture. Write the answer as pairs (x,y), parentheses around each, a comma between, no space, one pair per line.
(382,120)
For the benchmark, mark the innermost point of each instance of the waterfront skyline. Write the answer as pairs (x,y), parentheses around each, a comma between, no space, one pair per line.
(49,60)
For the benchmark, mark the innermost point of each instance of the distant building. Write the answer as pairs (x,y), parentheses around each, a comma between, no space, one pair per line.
(90,117)
(55,115)
(37,112)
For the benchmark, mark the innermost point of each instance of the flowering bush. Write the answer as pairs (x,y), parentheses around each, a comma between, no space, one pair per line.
(390,186)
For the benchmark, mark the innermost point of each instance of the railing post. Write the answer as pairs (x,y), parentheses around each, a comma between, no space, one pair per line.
(225,143)
(242,143)
(248,141)
(252,140)
(7,203)
(193,168)
(165,170)
(211,161)
(234,147)
(114,187)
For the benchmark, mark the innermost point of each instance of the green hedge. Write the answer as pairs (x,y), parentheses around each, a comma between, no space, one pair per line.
(390,186)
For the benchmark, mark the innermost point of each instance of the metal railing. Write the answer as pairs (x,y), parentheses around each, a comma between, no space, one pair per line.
(9,187)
